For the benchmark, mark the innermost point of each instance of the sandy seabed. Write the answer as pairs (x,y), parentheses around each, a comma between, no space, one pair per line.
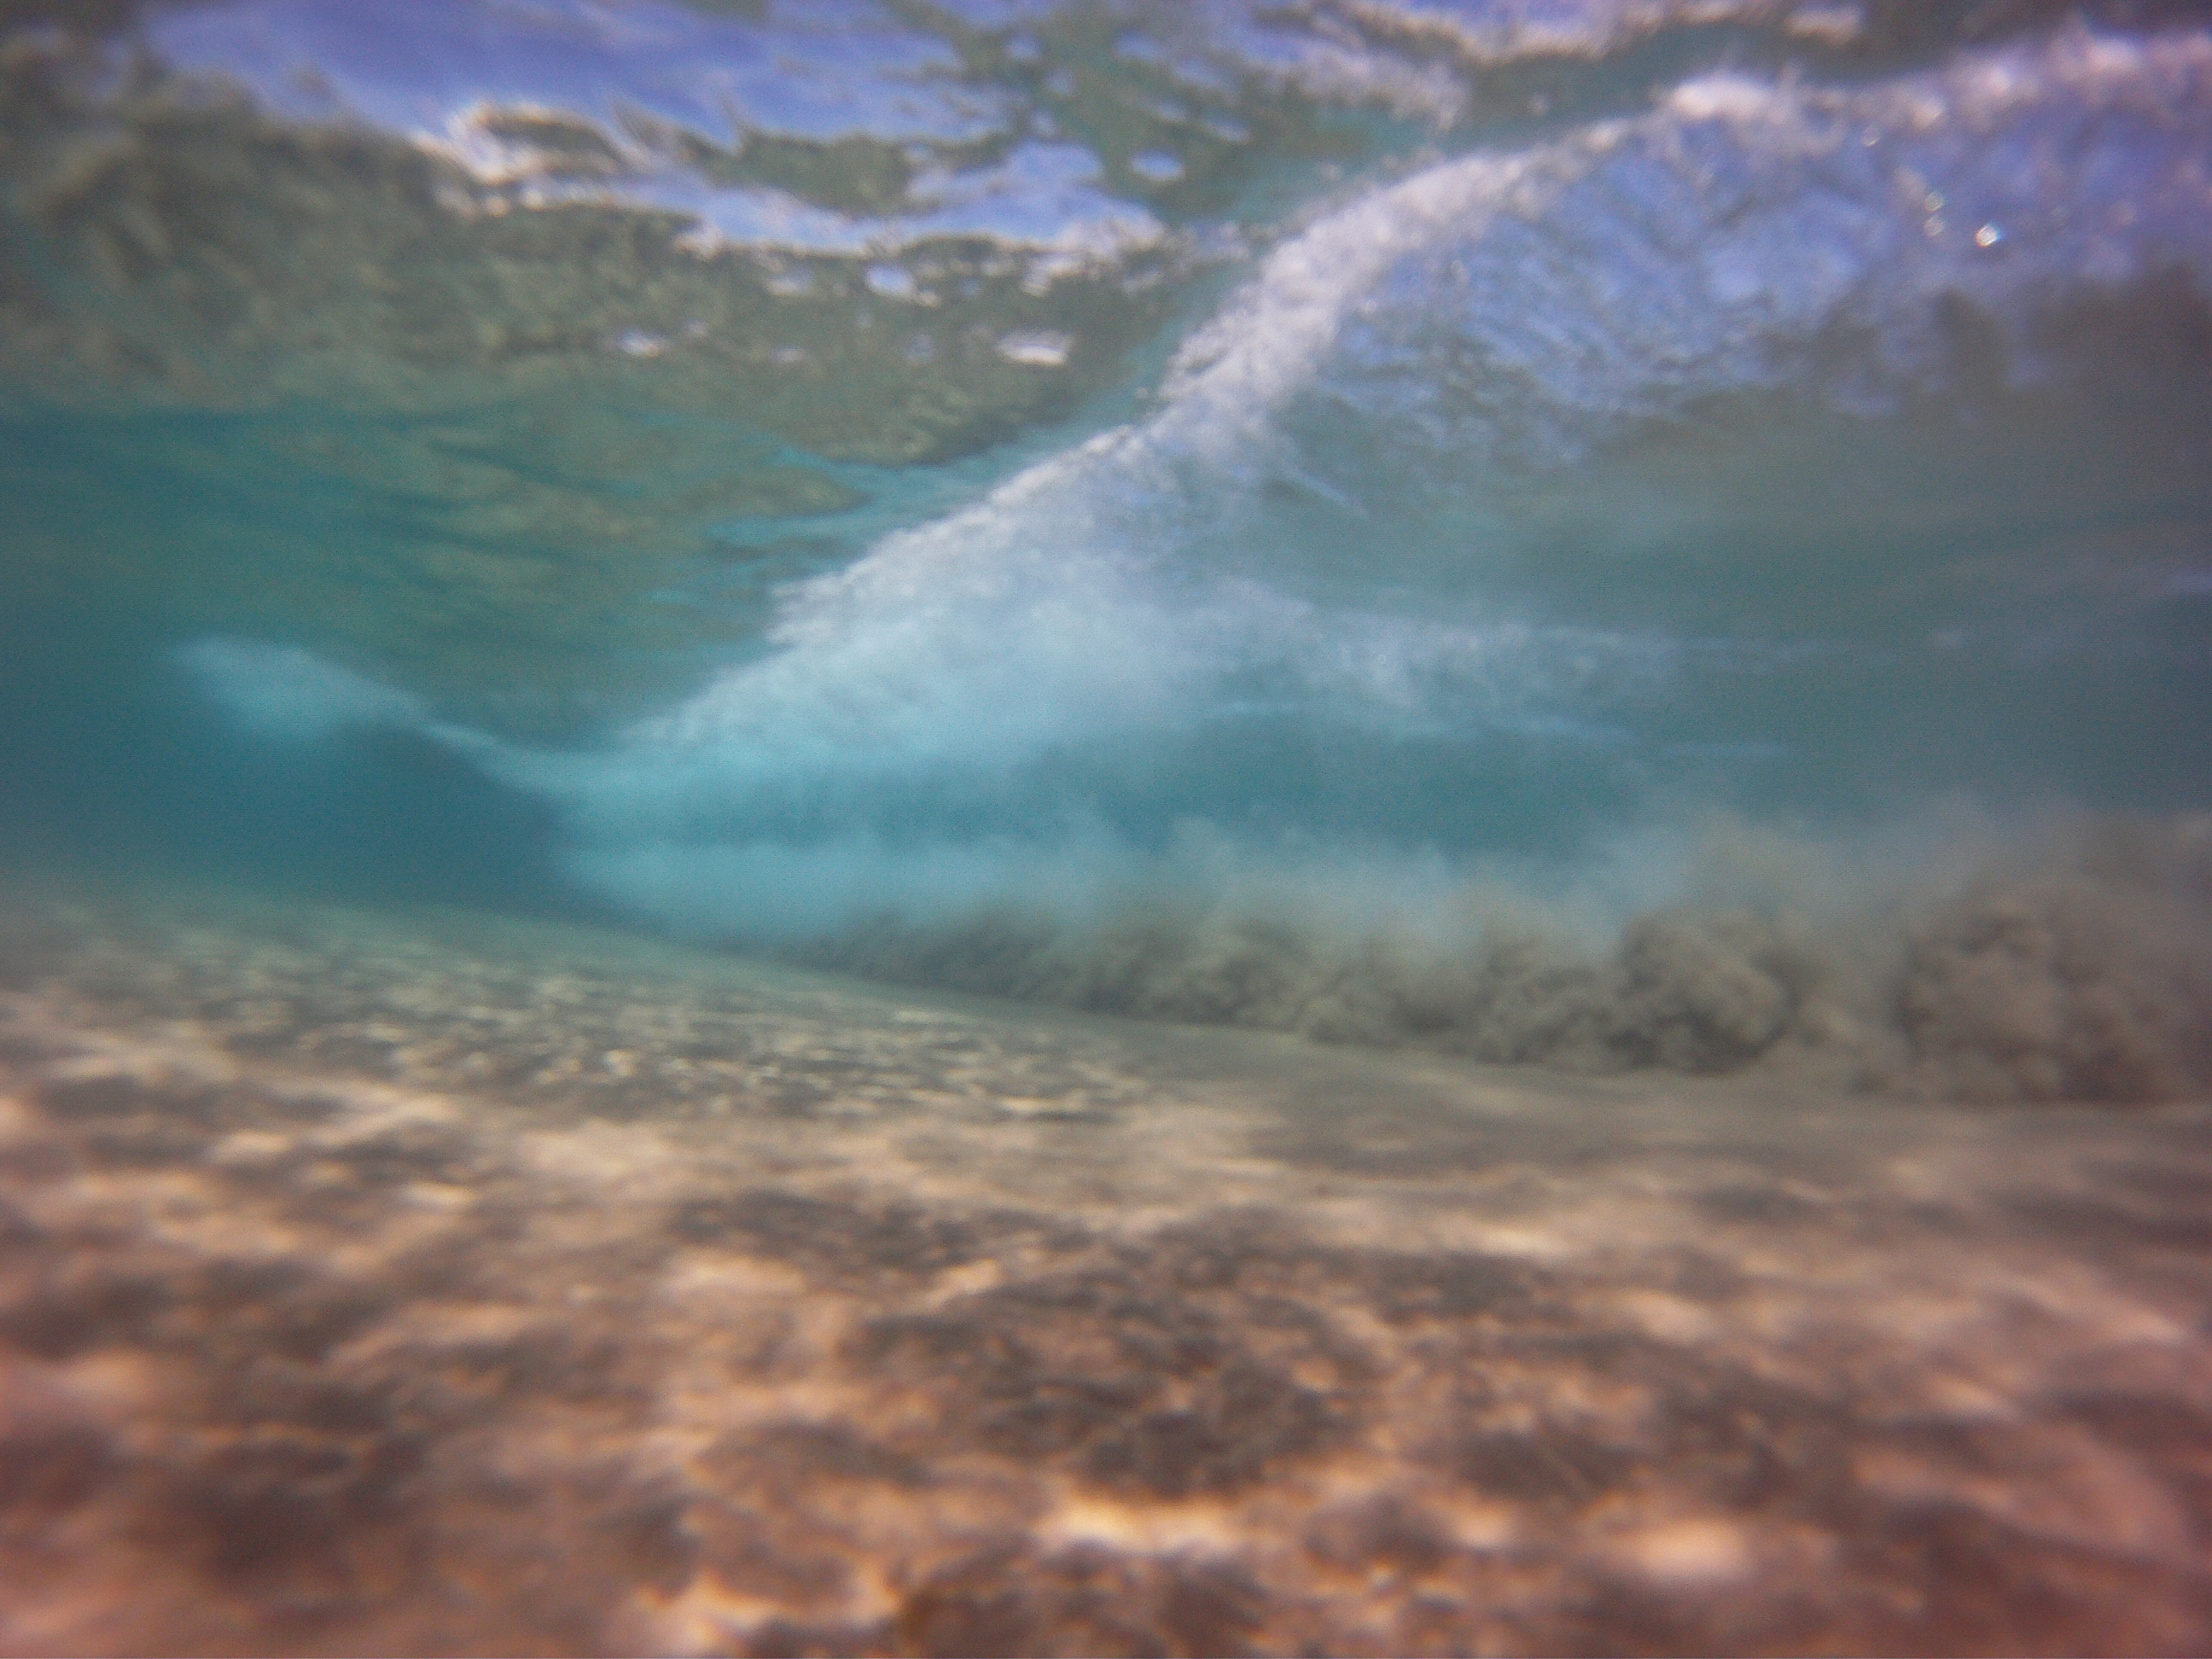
(426,1282)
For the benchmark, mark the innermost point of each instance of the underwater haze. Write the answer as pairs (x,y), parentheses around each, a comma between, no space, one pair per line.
(1158,508)
(1552,563)
(1217,511)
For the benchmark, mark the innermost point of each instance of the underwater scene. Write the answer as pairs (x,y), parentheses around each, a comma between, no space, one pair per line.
(1121,827)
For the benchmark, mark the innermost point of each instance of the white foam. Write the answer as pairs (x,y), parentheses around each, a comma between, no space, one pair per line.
(1530,308)
(289,695)
(1532,304)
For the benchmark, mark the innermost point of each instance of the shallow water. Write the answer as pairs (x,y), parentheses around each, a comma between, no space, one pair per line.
(1095,827)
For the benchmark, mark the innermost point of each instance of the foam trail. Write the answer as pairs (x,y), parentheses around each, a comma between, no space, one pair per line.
(289,695)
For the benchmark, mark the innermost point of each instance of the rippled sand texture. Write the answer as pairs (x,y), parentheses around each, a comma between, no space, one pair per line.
(433,1282)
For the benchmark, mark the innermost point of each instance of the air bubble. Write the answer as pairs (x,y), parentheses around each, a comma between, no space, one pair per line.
(1038,348)
(892,281)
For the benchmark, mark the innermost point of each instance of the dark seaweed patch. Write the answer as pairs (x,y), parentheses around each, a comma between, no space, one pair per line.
(61,1320)
(650,1536)
(1545,1466)
(48,1470)
(791,1638)
(17,1228)
(96,1097)
(278,1508)
(1752,1444)
(1133,1386)
(407,1152)
(2179,1184)
(1611,1617)
(2173,1438)
(284,1307)
(1459,1285)
(826,1451)
(2088,1221)
(2153,1425)
(1384,1532)
(1746,1202)
(542,1360)
(829,1238)
(1409,1142)
(1962,1582)
(1085,1601)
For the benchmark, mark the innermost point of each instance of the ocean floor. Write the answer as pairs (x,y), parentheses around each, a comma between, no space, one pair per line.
(433,1282)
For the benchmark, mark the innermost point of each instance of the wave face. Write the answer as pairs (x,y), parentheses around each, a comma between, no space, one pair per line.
(1620,532)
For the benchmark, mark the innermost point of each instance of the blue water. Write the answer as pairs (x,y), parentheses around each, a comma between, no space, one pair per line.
(829,479)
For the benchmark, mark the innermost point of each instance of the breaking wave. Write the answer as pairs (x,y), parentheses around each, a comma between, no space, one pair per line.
(1451,439)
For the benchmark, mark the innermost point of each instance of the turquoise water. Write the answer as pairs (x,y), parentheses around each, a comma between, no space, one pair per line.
(1158,508)
(1105,826)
